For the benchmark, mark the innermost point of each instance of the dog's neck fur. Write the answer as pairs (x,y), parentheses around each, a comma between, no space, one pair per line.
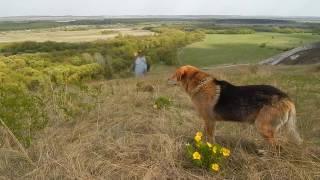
(202,83)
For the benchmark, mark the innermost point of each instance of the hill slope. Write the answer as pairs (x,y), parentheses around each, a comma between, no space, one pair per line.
(124,137)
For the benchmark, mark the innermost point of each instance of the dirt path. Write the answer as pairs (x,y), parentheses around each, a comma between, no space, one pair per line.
(307,54)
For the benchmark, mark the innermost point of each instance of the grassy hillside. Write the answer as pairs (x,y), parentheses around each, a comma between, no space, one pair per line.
(123,137)
(241,48)
(61,119)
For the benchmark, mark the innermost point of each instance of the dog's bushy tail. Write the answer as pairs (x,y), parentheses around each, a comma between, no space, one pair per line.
(291,125)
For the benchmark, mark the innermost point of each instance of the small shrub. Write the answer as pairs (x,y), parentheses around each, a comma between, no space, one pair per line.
(206,155)
(263,45)
(105,32)
(162,102)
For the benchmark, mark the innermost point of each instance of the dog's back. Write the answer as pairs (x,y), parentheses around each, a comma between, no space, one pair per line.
(243,103)
(266,106)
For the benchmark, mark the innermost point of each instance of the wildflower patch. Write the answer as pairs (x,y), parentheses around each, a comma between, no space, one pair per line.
(206,155)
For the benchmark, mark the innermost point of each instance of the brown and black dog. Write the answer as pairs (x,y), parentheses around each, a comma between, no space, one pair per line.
(265,106)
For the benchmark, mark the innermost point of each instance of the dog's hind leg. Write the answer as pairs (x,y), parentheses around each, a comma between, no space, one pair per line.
(271,119)
(266,122)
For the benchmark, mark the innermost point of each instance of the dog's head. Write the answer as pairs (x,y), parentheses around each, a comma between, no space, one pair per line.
(183,74)
(188,77)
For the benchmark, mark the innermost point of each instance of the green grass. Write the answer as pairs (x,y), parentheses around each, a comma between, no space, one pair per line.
(241,48)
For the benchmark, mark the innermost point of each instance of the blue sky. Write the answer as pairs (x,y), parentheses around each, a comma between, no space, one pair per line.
(160,7)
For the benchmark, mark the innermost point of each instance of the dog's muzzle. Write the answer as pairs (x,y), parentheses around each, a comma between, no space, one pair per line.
(172,82)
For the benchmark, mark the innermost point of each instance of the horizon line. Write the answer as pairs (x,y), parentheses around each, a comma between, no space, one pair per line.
(125,15)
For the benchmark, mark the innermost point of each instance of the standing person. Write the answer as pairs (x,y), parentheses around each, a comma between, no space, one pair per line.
(140,65)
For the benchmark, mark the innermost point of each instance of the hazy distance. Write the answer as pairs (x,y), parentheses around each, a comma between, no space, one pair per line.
(159,7)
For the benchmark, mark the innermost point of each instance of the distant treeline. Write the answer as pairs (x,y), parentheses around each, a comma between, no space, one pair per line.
(254,21)
(285,30)
(230,31)
(8,26)
(199,22)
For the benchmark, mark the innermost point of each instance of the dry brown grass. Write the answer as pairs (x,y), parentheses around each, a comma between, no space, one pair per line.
(68,36)
(126,138)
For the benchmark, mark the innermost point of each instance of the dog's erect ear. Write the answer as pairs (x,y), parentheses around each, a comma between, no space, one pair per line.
(180,74)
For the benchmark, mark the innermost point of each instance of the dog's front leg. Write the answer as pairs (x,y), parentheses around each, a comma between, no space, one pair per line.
(209,129)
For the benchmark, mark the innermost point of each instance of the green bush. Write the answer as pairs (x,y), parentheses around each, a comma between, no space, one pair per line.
(263,45)
(33,79)
(22,112)
(62,74)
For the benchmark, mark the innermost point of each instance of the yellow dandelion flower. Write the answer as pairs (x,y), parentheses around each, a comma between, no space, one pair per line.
(197,138)
(209,144)
(199,134)
(196,155)
(214,149)
(225,152)
(215,167)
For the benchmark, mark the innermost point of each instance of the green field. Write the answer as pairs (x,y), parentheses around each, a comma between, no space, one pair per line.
(241,48)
